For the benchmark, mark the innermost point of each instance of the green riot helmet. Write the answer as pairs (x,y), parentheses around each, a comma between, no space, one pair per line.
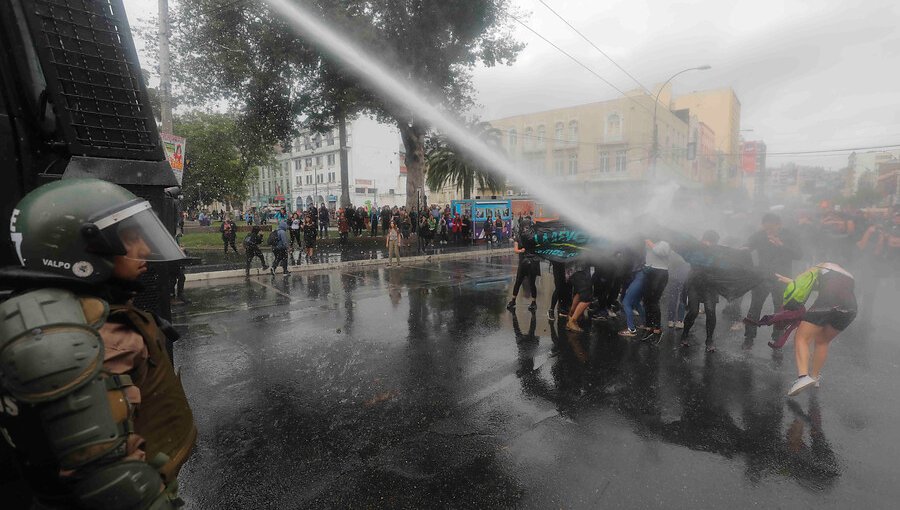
(74,227)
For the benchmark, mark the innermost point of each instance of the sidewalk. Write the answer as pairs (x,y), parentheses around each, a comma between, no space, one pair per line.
(218,265)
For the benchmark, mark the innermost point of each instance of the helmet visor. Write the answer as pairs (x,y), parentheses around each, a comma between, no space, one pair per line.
(141,234)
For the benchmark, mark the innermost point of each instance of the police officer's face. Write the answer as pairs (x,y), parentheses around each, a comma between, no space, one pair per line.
(133,264)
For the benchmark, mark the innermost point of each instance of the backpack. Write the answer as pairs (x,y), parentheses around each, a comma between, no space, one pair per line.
(273,240)
(249,240)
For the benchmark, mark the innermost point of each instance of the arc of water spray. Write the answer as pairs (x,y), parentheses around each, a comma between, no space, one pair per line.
(369,69)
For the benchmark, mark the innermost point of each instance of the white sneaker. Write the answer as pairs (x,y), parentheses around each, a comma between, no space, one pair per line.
(612,314)
(679,324)
(671,324)
(801,384)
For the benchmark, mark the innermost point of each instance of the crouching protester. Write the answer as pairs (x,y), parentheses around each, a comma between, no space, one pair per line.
(91,405)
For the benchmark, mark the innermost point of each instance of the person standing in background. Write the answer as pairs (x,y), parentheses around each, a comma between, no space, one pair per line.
(392,242)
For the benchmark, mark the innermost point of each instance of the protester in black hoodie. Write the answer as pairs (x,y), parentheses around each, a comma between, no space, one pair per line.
(776,250)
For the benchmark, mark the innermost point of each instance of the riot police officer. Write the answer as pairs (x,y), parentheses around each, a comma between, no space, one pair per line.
(91,404)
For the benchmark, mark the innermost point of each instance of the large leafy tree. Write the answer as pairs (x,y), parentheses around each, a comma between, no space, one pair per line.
(216,166)
(242,52)
(447,163)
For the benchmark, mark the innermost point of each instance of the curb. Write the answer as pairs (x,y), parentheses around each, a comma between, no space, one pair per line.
(241,273)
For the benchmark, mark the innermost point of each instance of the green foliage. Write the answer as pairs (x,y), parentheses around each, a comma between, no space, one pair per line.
(216,167)
(446,163)
(245,54)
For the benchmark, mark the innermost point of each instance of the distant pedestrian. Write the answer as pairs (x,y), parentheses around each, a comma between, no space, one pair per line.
(392,242)
(251,249)
(280,243)
(343,228)
(296,232)
(229,233)
(324,220)
(488,231)
(310,232)
(373,221)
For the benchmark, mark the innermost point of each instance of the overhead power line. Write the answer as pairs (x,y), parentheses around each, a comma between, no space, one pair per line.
(595,47)
(580,63)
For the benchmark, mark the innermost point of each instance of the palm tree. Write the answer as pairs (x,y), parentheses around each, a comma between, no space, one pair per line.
(445,164)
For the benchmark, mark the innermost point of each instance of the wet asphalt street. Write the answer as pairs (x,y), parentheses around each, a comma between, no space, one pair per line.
(416,388)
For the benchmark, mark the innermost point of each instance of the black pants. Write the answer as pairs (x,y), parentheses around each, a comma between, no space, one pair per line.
(179,280)
(562,291)
(698,292)
(323,229)
(281,258)
(655,281)
(758,298)
(527,269)
(229,241)
(296,235)
(253,252)
(374,230)
(343,240)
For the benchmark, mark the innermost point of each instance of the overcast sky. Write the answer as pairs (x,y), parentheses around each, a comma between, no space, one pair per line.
(815,74)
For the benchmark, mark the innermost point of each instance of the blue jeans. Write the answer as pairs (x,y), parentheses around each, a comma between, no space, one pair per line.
(632,299)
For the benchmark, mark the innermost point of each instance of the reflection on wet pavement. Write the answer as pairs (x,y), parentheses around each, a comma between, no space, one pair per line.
(413,387)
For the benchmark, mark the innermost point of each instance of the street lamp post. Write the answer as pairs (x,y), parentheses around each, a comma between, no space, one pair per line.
(656,104)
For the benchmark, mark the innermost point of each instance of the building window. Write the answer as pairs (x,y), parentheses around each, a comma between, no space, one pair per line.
(540,137)
(308,180)
(360,191)
(621,162)
(573,163)
(308,162)
(317,141)
(604,162)
(330,176)
(529,137)
(559,134)
(318,161)
(513,138)
(573,132)
(306,144)
(331,160)
(296,164)
(559,164)
(614,126)
(299,181)
(320,178)
(329,138)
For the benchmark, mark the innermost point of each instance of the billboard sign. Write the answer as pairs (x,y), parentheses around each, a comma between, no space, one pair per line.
(174,146)
(748,157)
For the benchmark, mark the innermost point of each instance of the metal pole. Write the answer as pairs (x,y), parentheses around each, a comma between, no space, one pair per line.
(165,72)
(655,154)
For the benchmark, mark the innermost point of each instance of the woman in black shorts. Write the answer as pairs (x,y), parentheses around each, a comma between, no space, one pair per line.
(833,310)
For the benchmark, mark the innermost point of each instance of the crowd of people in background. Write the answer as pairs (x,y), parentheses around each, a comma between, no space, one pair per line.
(432,227)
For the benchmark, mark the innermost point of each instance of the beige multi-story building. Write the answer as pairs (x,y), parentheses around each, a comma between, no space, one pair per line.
(720,110)
(704,167)
(599,143)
